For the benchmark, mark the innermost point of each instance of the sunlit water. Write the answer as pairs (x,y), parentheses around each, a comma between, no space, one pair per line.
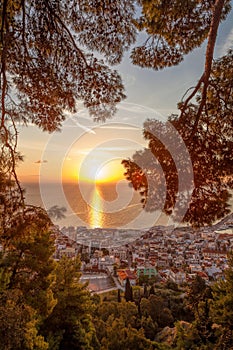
(95,213)
(106,206)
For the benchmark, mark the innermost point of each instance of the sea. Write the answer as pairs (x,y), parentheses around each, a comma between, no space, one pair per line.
(111,205)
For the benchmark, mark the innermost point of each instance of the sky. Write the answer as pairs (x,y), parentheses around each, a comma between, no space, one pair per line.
(88,151)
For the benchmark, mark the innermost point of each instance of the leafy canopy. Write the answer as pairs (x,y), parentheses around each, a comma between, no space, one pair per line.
(156,170)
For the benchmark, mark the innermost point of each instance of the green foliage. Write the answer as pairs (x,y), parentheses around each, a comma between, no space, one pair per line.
(222,308)
(128,291)
(156,308)
(212,326)
(110,314)
(26,269)
(186,337)
(18,323)
(196,292)
(197,335)
(43,305)
(27,262)
(118,295)
(145,279)
(172,285)
(126,310)
(152,290)
(145,291)
(149,326)
(69,324)
(121,337)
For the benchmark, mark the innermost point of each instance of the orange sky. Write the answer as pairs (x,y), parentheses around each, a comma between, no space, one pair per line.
(90,152)
(63,156)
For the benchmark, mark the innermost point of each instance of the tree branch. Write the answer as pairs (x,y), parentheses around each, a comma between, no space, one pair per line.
(24,26)
(7,142)
(4,12)
(216,18)
(67,31)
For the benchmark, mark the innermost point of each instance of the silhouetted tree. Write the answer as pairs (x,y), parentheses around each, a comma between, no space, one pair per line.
(162,172)
(174,29)
(118,295)
(56,212)
(128,290)
(145,291)
(152,290)
(47,60)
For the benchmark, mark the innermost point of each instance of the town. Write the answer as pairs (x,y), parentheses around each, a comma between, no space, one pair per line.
(157,254)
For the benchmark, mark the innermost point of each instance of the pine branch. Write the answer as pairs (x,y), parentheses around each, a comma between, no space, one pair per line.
(204,80)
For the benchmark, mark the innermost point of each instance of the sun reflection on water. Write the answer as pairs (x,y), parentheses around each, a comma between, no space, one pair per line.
(96,209)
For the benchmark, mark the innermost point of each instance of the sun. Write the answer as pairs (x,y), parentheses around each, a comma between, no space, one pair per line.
(110,171)
(97,166)
(102,175)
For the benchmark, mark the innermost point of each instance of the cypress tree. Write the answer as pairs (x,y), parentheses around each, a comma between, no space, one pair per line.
(128,291)
(119,295)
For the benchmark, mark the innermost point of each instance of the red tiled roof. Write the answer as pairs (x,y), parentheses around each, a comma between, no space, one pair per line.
(123,274)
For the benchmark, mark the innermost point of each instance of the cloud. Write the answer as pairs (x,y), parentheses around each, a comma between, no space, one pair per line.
(116,149)
(84,151)
(120,127)
(41,161)
(81,126)
(99,149)
(134,108)
(227,45)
